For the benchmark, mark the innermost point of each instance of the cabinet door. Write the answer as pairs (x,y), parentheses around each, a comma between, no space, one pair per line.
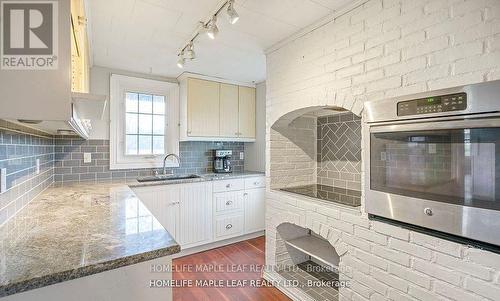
(246,112)
(195,214)
(203,108)
(229,110)
(163,203)
(255,212)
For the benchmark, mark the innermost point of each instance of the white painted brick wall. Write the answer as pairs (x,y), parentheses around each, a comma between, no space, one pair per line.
(384,48)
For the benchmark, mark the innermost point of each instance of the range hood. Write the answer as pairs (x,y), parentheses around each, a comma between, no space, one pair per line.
(85,107)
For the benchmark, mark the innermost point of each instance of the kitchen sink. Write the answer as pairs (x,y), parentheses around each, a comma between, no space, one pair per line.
(166,178)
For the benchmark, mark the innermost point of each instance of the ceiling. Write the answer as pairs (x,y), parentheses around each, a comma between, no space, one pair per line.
(145,35)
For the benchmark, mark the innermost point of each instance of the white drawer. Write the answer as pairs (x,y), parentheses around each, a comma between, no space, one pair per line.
(228,185)
(257,182)
(227,226)
(228,201)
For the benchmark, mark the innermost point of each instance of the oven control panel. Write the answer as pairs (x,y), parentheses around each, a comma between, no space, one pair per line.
(435,104)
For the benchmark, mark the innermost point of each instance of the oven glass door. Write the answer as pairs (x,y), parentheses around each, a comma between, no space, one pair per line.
(460,165)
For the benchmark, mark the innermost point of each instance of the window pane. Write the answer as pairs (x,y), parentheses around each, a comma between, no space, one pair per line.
(131,145)
(145,124)
(145,143)
(158,145)
(131,102)
(158,125)
(131,123)
(146,103)
(158,104)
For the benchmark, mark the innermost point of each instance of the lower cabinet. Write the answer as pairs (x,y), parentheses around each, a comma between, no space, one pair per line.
(163,202)
(227,226)
(194,225)
(255,207)
(184,210)
(239,208)
(195,215)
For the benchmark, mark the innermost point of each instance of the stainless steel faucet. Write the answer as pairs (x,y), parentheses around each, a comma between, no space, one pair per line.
(165,161)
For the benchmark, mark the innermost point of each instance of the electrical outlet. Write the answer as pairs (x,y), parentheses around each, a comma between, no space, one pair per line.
(37,166)
(87,157)
(3,180)
(242,155)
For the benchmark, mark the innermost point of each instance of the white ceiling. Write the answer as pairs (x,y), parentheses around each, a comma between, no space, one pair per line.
(145,35)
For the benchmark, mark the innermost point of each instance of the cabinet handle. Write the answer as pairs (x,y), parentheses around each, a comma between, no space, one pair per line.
(256,183)
(245,194)
(229,226)
(228,203)
(228,186)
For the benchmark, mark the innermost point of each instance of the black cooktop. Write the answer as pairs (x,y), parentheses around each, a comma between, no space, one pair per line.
(328,193)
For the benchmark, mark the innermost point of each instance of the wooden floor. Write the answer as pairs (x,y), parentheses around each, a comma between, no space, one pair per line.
(229,261)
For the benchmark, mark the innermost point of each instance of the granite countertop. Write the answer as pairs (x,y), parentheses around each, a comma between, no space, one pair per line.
(202,178)
(78,230)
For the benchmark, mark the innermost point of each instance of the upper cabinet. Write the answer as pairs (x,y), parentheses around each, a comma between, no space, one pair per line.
(246,112)
(216,111)
(203,108)
(56,89)
(229,110)
(80,56)
(41,92)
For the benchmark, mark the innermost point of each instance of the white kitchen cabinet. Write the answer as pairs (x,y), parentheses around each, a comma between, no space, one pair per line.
(184,210)
(163,202)
(227,226)
(199,213)
(228,201)
(246,115)
(41,94)
(229,108)
(239,207)
(195,218)
(255,207)
(216,110)
(203,108)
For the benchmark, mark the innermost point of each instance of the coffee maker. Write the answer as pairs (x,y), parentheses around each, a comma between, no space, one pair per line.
(222,161)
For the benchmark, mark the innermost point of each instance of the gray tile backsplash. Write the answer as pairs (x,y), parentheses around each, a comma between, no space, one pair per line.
(339,151)
(61,160)
(20,147)
(196,157)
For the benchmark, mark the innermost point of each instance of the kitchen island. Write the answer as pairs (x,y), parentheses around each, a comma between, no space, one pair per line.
(84,241)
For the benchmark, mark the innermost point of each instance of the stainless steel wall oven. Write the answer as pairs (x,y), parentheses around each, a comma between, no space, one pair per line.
(434,160)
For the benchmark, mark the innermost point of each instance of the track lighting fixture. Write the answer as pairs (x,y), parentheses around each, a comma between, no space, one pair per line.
(231,12)
(190,54)
(212,29)
(181,61)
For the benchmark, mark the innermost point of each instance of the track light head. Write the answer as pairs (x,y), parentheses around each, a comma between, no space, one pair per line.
(212,29)
(190,54)
(231,12)
(181,61)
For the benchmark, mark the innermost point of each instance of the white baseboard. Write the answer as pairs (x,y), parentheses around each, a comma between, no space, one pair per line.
(217,244)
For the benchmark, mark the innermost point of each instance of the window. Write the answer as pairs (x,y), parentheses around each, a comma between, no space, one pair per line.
(144,122)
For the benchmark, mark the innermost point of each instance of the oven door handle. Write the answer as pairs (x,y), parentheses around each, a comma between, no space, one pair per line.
(438,125)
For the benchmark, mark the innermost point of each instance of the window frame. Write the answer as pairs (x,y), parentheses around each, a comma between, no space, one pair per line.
(119,85)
